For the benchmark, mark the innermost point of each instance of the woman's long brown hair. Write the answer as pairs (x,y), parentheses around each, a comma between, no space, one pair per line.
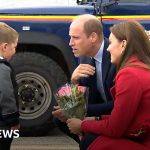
(138,43)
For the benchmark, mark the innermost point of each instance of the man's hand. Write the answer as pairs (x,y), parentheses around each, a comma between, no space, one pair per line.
(74,125)
(59,113)
(83,70)
(16,127)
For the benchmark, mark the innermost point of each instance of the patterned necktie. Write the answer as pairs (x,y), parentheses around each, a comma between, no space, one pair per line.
(93,62)
(93,77)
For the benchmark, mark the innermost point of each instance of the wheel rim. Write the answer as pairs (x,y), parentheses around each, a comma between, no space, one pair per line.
(34,93)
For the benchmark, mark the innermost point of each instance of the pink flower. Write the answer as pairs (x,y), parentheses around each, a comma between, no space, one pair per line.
(81,89)
(68,90)
(64,91)
(73,99)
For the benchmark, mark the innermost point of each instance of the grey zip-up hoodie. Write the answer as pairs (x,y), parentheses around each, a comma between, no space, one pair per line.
(9,114)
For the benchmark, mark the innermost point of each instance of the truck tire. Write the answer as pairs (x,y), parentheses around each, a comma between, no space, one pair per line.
(37,77)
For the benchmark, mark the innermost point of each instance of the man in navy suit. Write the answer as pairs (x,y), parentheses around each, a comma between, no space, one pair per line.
(94,71)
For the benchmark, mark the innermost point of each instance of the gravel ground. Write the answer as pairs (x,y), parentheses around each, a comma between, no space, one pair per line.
(54,141)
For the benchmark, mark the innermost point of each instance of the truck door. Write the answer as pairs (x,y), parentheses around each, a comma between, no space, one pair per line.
(125,10)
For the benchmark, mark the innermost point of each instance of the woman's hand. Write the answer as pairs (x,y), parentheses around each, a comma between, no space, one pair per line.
(89,118)
(74,125)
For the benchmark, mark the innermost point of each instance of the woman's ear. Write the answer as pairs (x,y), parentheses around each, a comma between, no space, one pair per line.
(124,43)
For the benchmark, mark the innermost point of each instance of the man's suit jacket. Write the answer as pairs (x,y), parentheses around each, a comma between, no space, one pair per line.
(96,105)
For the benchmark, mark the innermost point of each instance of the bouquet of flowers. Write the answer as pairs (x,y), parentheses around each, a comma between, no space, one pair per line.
(73,100)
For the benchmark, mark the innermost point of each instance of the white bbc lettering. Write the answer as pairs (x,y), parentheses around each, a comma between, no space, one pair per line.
(0,134)
(9,133)
(16,134)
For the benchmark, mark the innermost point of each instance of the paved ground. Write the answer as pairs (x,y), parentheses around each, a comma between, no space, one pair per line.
(54,141)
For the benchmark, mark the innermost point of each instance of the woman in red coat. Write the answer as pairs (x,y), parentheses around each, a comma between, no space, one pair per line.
(128,126)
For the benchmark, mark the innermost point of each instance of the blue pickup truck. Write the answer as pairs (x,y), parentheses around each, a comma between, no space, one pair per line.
(44,61)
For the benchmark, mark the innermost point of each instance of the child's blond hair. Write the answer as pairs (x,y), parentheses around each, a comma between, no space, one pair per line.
(7,33)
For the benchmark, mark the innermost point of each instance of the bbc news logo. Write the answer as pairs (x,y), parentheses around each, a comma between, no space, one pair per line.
(9,133)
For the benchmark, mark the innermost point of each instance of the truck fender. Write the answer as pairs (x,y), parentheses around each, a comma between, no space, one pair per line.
(52,40)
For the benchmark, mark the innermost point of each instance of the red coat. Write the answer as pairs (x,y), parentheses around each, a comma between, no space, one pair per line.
(128,126)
